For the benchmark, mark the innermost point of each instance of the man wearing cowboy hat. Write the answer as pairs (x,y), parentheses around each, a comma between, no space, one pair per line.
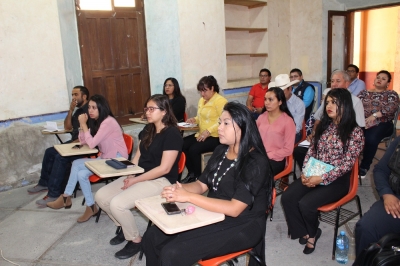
(295,104)
(255,100)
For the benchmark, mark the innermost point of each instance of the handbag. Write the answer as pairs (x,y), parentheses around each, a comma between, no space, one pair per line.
(394,165)
(315,167)
(386,252)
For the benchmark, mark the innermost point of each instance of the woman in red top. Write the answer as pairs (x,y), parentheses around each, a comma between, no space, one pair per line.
(380,105)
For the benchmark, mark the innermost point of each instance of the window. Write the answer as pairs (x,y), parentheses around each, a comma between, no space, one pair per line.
(103,4)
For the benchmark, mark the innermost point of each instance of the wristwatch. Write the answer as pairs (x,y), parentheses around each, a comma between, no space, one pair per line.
(375,115)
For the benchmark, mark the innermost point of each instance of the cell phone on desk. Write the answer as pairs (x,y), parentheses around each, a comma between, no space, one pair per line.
(126,162)
(77,146)
(171,208)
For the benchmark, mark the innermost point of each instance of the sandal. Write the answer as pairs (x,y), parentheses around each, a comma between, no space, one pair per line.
(303,240)
(308,250)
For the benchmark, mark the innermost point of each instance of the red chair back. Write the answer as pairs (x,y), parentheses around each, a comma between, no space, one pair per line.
(185,117)
(181,163)
(129,144)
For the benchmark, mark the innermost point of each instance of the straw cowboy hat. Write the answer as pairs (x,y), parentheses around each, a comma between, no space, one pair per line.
(282,81)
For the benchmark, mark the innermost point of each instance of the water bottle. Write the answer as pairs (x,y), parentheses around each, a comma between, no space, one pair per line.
(342,248)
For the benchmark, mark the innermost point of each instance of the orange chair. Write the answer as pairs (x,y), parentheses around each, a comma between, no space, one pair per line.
(285,172)
(342,215)
(232,256)
(95,178)
(181,166)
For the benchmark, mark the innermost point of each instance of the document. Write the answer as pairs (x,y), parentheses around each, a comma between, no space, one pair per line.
(52,127)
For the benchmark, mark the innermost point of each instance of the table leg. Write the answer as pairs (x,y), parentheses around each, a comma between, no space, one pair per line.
(59,139)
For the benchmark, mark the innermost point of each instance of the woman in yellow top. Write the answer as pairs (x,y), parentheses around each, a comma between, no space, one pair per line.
(208,111)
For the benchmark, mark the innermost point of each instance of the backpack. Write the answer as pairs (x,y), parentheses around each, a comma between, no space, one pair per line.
(386,252)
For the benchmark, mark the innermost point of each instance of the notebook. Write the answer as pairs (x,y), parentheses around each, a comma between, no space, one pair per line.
(316,167)
(52,127)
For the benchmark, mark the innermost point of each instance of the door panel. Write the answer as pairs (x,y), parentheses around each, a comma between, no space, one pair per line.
(114,58)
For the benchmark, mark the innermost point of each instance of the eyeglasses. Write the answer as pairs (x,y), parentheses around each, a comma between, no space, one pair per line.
(150,109)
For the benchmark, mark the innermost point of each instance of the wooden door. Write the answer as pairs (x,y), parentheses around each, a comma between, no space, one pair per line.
(339,42)
(114,58)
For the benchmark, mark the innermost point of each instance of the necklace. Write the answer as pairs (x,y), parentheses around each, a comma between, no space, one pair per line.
(215,186)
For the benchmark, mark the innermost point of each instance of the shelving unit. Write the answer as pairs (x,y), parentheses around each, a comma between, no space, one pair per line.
(246,40)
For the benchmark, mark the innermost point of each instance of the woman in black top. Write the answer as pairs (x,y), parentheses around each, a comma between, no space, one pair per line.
(176,99)
(158,153)
(239,179)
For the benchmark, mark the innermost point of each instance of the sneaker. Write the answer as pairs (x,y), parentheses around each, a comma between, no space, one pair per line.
(43,202)
(36,189)
(362,172)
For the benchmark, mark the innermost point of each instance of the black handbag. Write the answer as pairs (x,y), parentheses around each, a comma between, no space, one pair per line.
(394,165)
(386,252)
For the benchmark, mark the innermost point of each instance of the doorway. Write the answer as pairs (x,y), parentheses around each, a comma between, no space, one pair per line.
(114,56)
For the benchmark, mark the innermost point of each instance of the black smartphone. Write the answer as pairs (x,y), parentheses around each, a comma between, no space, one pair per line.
(171,208)
(126,162)
(77,146)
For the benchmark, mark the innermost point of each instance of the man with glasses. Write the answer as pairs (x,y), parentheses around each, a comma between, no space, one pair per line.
(356,84)
(255,100)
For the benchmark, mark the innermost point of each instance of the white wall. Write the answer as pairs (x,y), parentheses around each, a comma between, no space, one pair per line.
(32,79)
(202,42)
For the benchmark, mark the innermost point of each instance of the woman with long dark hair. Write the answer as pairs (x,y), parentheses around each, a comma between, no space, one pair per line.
(158,153)
(277,128)
(177,101)
(206,140)
(103,131)
(380,105)
(338,141)
(239,182)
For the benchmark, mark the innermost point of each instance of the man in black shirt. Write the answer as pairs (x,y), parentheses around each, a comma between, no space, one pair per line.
(54,166)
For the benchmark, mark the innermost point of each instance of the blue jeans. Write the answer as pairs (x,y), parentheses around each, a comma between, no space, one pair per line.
(373,137)
(80,173)
(54,169)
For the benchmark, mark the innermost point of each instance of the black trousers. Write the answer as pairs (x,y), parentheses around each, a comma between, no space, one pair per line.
(188,247)
(193,150)
(299,153)
(301,203)
(374,225)
(277,166)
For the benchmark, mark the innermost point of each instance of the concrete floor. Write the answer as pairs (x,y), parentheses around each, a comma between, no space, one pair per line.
(30,235)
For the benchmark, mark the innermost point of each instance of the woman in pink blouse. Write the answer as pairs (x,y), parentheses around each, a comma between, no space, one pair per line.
(338,141)
(380,105)
(277,129)
(102,131)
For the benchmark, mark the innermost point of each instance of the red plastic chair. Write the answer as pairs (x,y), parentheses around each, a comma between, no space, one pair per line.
(286,171)
(346,215)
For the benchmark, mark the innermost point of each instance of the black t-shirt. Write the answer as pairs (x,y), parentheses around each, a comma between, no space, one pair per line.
(229,189)
(75,122)
(178,105)
(168,139)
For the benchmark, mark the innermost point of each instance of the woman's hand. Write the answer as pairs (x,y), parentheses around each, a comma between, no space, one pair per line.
(83,118)
(311,181)
(129,181)
(175,193)
(202,137)
(191,120)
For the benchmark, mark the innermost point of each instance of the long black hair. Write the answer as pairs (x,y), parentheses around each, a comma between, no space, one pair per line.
(177,88)
(168,120)
(104,111)
(345,113)
(250,145)
(280,95)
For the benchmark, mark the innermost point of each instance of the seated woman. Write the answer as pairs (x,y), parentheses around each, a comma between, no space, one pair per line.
(338,141)
(158,153)
(380,105)
(239,182)
(208,110)
(277,129)
(176,99)
(102,131)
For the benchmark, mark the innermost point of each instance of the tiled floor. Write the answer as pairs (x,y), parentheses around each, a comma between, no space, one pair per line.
(30,235)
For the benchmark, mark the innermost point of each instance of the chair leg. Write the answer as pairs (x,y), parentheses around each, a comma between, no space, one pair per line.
(98,215)
(359,205)
(272,213)
(141,250)
(257,258)
(336,231)
(294,170)
(83,201)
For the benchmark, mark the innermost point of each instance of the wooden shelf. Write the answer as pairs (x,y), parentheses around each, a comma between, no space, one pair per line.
(250,54)
(250,30)
(248,3)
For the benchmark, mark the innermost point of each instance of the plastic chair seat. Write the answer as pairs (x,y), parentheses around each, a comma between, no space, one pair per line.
(221,259)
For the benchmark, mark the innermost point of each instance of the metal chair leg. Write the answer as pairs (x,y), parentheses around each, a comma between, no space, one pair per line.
(336,231)
(98,215)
